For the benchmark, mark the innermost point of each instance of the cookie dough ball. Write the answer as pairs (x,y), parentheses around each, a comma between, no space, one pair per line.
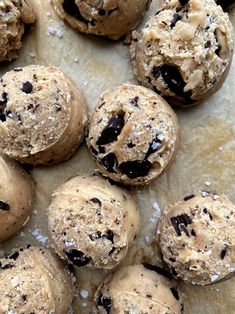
(112,18)
(92,222)
(42,115)
(133,134)
(139,289)
(185,51)
(16,196)
(14,14)
(33,280)
(197,238)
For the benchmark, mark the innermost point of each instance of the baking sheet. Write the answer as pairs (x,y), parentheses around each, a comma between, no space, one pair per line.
(205,160)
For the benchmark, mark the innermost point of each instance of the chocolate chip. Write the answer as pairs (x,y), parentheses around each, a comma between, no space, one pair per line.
(193,233)
(175,293)
(93,22)
(101,12)
(172,259)
(112,250)
(13,256)
(24,297)
(174,80)
(205,211)
(207,44)
(135,100)
(159,270)
(4,206)
(77,257)
(71,8)
(173,271)
(135,169)
(130,145)
(183,2)
(223,253)
(109,235)
(96,201)
(189,197)
(154,145)
(176,17)
(180,223)
(112,130)
(110,162)
(101,149)
(6,266)
(18,69)
(105,302)
(27,87)
(3,104)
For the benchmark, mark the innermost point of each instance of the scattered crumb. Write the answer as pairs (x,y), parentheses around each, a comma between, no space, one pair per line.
(208,183)
(32,54)
(39,236)
(22,234)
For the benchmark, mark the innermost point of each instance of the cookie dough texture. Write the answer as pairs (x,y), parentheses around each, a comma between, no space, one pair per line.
(42,115)
(197,238)
(138,289)
(112,18)
(92,223)
(16,196)
(133,134)
(185,50)
(14,14)
(33,280)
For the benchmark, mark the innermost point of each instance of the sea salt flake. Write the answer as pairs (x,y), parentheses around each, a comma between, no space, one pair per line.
(84,294)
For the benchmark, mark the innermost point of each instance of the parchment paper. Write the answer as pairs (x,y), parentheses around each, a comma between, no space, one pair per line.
(205,160)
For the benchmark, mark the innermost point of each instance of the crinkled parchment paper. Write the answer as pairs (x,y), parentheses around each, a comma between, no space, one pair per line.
(205,160)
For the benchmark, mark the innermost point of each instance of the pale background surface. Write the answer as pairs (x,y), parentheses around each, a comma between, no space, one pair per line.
(206,154)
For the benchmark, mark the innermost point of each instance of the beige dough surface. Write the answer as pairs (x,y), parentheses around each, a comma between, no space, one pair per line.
(92,223)
(138,289)
(205,160)
(197,238)
(184,52)
(33,280)
(16,198)
(42,115)
(112,18)
(14,14)
(133,134)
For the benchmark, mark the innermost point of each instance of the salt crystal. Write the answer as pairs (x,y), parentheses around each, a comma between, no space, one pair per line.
(48,14)
(157,209)
(51,30)
(214,277)
(39,236)
(76,59)
(60,33)
(84,294)
(208,183)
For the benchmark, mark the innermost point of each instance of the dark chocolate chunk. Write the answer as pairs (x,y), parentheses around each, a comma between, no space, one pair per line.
(189,197)
(3,104)
(71,8)
(225,4)
(105,302)
(130,145)
(93,22)
(13,256)
(96,201)
(193,233)
(4,206)
(93,151)
(174,80)
(180,222)
(112,130)
(223,253)
(112,250)
(27,87)
(135,169)
(24,297)
(173,271)
(101,149)
(175,293)
(176,17)
(77,257)
(183,2)
(101,12)
(110,162)
(159,270)
(6,266)
(135,100)
(109,235)
(154,146)
(172,259)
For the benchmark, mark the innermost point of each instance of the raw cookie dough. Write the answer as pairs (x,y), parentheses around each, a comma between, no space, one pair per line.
(42,115)
(112,18)
(33,280)
(16,196)
(14,14)
(139,289)
(197,238)
(185,50)
(92,223)
(133,134)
